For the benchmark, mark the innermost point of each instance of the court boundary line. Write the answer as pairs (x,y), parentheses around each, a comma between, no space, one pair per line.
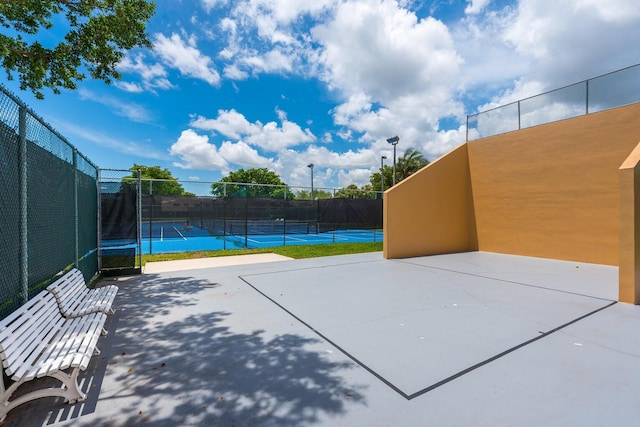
(321,335)
(506,352)
(452,377)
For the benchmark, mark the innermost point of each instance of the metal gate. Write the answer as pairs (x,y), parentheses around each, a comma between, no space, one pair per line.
(120,243)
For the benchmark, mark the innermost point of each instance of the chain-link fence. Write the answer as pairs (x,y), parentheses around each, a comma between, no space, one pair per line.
(48,205)
(220,216)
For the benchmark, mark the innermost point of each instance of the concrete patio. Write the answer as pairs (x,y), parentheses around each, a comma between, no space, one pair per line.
(470,339)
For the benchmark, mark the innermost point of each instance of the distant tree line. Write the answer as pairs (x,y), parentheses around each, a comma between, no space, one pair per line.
(261,182)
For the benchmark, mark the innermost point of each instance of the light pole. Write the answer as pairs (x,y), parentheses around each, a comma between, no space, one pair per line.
(310,166)
(394,141)
(382,171)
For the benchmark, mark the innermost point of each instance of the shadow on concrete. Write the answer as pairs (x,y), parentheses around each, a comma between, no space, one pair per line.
(166,361)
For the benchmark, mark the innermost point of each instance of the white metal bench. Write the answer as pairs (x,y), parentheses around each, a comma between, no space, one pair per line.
(75,299)
(37,341)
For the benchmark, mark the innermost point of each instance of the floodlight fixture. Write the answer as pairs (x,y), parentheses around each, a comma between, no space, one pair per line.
(394,141)
(310,166)
(382,172)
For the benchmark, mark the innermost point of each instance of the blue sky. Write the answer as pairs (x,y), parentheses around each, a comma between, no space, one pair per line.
(283,83)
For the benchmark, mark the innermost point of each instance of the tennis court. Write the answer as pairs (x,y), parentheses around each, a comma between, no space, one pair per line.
(182,236)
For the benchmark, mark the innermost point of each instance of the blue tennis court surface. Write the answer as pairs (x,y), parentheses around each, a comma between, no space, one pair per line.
(180,237)
(186,242)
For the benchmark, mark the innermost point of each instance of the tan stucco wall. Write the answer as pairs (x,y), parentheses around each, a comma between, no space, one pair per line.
(432,211)
(552,191)
(629,271)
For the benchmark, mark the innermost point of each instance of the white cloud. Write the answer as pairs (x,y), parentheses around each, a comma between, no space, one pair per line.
(357,104)
(476,6)
(611,10)
(329,166)
(359,177)
(196,152)
(233,72)
(269,137)
(286,11)
(184,56)
(123,146)
(270,62)
(129,110)
(208,5)
(230,27)
(269,36)
(535,46)
(394,73)
(385,51)
(241,154)
(128,86)
(270,15)
(490,63)
(398,74)
(228,123)
(153,76)
(276,138)
(378,56)
(569,41)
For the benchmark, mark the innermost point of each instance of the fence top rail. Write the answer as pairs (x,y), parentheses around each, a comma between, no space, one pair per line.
(50,128)
(200,182)
(582,82)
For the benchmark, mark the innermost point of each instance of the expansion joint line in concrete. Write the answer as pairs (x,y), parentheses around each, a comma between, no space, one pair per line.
(502,280)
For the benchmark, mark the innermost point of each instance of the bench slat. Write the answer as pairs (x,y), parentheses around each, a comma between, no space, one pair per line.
(36,341)
(73,340)
(31,334)
(76,299)
(39,341)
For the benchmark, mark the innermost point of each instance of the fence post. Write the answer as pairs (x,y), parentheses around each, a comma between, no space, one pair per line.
(467,131)
(150,217)
(139,216)
(587,97)
(75,209)
(99,224)
(24,246)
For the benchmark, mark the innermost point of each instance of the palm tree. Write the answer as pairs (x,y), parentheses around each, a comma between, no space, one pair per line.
(409,163)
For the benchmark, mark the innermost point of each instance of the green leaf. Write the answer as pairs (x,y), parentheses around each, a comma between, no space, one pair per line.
(100,32)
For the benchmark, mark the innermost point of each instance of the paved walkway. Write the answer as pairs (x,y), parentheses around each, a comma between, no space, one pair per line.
(223,261)
(474,339)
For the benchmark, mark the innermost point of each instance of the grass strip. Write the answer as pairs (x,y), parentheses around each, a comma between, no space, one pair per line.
(291,251)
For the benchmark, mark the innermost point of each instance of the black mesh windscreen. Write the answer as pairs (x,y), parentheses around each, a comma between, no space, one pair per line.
(119,212)
(51,217)
(256,216)
(87,224)
(48,205)
(10,288)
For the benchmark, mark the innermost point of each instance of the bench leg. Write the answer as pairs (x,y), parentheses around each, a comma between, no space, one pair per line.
(73,393)
(70,391)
